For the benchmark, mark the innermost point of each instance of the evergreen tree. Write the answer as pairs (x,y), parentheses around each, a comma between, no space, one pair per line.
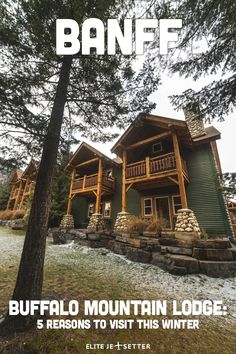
(4,194)
(60,190)
(98,91)
(229,185)
(209,24)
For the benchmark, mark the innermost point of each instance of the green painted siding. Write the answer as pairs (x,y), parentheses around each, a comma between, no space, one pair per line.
(134,202)
(203,194)
(80,211)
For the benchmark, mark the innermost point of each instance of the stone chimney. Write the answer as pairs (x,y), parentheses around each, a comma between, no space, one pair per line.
(194,120)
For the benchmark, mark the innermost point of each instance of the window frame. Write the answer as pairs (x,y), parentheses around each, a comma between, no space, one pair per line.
(151,206)
(91,204)
(159,150)
(104,208)
(173,203)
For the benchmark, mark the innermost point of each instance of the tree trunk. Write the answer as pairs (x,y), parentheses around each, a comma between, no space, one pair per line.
(30,274)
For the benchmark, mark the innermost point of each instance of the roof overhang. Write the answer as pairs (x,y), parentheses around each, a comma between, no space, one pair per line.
(85,155)
(164,124)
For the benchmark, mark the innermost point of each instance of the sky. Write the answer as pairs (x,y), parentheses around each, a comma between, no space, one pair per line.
(175,85)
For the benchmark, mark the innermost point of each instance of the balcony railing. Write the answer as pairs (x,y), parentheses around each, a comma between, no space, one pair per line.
(153,166)
(91,182)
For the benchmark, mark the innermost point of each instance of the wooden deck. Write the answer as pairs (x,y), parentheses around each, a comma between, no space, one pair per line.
(151,167)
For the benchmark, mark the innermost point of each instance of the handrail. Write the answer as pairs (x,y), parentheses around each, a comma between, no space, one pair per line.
(135,163)
(153,166)
(89,181)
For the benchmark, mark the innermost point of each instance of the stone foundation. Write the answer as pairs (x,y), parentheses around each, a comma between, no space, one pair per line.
(186,221)
(213,257)
(122,221)
(96,223)
(67,222)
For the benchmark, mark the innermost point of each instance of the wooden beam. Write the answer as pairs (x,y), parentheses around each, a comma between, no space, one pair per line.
(95,193)
(87,162)
(173,180)
(23,196)
(216,156)
(69,205)
(179,168)
(149,140)
(129,186)
(99,186)
(18,196)
(159,175)
(124,181)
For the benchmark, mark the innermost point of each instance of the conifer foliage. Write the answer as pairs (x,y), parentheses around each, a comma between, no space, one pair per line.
(41,91)
(209,25)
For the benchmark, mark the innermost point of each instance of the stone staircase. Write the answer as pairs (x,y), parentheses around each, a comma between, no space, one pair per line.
(214,257)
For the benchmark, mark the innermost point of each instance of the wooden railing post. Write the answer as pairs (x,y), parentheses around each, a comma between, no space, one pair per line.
(99,187)
(84,181)
(124,181)
(69,205)
(148,166)
(179,171)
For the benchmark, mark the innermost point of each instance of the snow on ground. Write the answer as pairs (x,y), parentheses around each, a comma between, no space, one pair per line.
(149,280)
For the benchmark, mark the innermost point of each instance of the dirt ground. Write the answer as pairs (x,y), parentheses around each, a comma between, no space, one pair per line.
(76,272)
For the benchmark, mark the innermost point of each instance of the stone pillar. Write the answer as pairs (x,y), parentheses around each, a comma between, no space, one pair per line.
(96,223)
(122,221)
(186,221)
(67,222)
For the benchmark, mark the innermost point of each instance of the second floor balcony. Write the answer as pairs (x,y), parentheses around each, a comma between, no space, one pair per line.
(90,182)
(150,167)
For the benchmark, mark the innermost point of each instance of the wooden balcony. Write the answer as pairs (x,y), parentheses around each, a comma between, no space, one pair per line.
(90,182)
(157,166)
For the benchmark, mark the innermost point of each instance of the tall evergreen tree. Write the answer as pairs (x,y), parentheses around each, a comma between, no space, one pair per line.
(60,190)
(38,87)
(209,25)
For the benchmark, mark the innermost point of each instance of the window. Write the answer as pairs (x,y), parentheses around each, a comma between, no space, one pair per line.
(147,207)
(107,210)
(176,203)
(157,147)
(109,173)
(91,208)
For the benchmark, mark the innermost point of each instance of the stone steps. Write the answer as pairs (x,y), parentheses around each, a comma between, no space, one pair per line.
(213,254)
(218,269)
(188,264)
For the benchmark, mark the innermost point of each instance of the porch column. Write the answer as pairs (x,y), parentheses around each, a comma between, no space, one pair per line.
(124,159)
(69,205)
(99,187)
(179,168)
(18,196)
(23,196)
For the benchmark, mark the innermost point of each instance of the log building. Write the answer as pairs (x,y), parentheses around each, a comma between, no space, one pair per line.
(22,186)
(162,165)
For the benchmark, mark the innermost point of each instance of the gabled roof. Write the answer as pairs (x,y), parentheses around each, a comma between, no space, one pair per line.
(31,169)
(86,152)
(145,125)
(16,175)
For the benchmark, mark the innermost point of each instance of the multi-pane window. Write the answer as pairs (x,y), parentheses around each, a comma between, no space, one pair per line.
(157,147)
(147,207)
(107,210)
(91,209)
(176,203)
